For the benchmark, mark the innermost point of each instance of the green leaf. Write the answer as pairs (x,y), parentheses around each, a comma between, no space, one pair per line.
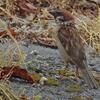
(52,81)
(37,97)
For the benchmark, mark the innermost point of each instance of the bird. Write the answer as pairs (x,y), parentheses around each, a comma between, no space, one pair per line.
(70,44)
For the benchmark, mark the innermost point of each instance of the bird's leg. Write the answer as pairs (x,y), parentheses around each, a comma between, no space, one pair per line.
(77,77)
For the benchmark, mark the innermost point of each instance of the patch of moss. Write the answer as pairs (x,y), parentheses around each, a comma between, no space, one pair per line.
(98,81)
(52,71)
(36,77)
(77,98)
(74,88)
(62,71)
(70,73)
(52,81)
(66,72)
(36,97)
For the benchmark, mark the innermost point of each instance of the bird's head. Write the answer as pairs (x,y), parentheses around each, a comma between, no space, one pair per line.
(63,17)
(58,15)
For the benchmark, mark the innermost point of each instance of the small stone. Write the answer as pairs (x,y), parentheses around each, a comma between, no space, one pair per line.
(52,81)
(35,52)
(42,80)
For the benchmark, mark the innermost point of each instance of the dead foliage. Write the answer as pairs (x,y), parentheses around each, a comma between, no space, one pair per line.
(16,71)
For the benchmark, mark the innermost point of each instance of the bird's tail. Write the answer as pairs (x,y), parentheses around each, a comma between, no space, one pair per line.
(89,79)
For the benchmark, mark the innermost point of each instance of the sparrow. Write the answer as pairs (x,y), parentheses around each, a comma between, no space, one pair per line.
(70,44)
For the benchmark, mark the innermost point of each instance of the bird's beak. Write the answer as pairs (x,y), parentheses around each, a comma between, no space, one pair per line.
(57,15)
(54,13)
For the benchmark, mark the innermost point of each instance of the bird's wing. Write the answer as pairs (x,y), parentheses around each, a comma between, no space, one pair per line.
(62,51)
(72,43)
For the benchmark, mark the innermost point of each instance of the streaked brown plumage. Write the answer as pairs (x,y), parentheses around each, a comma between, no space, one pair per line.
(70,45)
